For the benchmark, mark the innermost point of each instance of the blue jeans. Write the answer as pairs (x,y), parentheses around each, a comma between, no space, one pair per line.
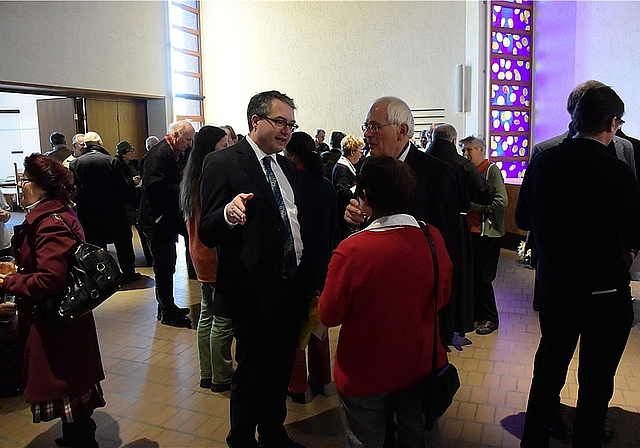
(365,419)
(215,335)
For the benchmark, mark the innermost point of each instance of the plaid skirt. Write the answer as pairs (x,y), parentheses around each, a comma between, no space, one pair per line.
(68,409)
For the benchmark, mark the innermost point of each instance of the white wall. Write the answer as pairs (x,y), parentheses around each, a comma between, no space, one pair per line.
(607,37)
(333,58)
(24,136)
(580,40)
(118,46)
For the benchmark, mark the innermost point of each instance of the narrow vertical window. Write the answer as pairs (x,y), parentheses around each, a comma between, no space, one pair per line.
(186,61)
(511,79)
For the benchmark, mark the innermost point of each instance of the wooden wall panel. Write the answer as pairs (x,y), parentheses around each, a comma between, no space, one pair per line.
(57,114)
(102,117)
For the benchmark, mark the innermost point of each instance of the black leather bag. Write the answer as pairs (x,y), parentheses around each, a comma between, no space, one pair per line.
(442,384)
(93,276)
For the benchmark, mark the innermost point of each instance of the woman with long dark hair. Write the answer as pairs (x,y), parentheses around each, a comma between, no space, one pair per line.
(62,364)
(215,332)
(317,191)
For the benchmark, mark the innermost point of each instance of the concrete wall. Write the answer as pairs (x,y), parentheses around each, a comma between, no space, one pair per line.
(120,46)
(580,40)
(335,58)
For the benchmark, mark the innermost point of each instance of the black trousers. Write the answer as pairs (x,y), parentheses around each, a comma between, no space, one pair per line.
(123,242)
(266,343)
(486,252)
(163,250)
(602,324)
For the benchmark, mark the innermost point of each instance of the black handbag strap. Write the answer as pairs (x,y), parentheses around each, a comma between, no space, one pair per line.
(436,284)
(73,232)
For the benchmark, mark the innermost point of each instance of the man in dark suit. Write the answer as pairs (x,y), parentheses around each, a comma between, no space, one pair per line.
(387,128)
(100,192)
(250,211)
(436,198)
(584,297)
(472,188)
(160,218)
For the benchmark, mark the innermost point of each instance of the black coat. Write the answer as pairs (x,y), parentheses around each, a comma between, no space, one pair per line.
(343,180)
(583,208)
(100,194)
(161,173)
(250,256)
(473,186)
(436,198)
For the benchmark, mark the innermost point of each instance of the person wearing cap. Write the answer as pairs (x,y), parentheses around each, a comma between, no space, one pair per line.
(101,187)
(131,168)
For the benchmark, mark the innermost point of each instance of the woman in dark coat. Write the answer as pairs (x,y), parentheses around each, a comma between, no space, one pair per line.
(62,364)
(321,218)
(344,181)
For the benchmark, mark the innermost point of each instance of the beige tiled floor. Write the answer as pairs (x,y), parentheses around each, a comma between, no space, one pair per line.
(153,398)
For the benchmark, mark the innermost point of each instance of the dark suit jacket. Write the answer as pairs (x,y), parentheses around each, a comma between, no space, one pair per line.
(101,188)
(159,196)
(473,186)
(436,198)
(250,256)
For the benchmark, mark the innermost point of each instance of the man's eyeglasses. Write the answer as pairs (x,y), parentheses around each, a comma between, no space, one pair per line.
(620,122)
(280,124)
(372,127)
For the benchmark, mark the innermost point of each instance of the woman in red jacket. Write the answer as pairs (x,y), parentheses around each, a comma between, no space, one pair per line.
(380,288)
(62,364)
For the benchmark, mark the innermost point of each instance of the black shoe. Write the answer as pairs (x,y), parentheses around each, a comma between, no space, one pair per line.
(177,310)
(130,278)
(219,388)
(300,398)
(607,429)
(205,383)
(486,327)
(175,320)
(62,441)
(558,429)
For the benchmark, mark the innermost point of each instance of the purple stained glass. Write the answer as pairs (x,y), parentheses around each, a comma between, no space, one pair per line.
(509,146)
(507,95)
(508,43)
(503,69)
(509,120)
(517,19)
(512,169)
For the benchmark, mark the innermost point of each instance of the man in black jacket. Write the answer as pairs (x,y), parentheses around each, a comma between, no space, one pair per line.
(251,210)
(100,200)
(576,197)
(473,187)
(159,215)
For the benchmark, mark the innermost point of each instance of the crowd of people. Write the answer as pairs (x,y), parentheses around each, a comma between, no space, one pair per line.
(371,234)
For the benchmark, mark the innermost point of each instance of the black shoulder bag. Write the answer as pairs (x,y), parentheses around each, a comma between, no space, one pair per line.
(93,276)
(441,385)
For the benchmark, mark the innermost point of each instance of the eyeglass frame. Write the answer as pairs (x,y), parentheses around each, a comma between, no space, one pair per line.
(23,180)
(375,127)
(620,121)
(280,124)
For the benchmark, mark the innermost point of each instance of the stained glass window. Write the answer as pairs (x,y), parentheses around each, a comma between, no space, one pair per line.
(511,79)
